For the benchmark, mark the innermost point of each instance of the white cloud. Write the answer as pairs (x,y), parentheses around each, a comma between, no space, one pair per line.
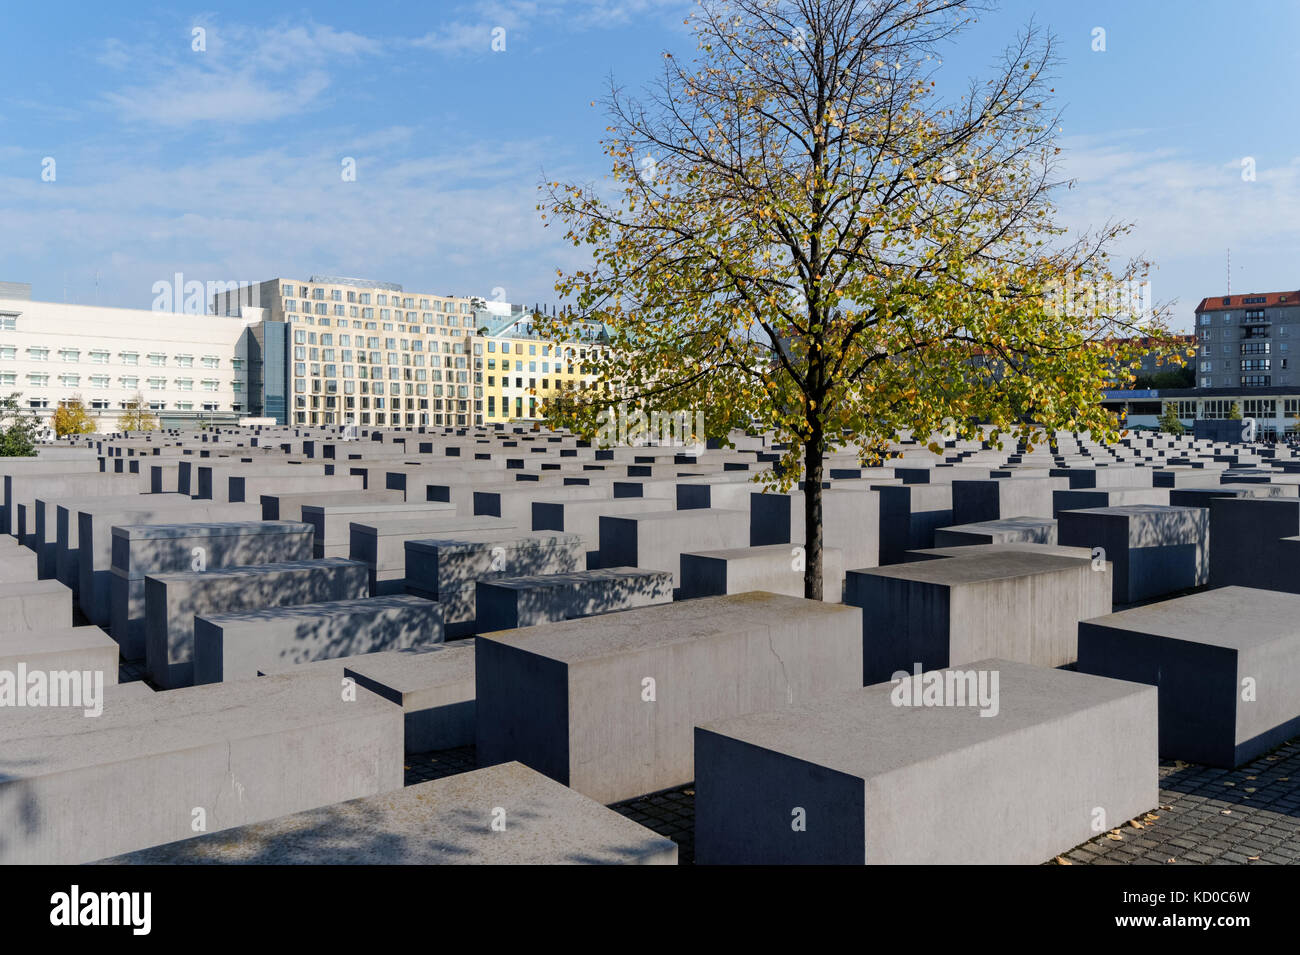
(194,96)
(243,75)
(461,221)
(1187,212)
(471,31)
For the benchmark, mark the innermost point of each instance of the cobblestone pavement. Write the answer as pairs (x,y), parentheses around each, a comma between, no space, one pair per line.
(1243,816)
(422,767)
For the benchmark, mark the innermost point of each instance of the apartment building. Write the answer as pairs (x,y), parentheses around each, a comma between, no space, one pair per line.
(333,350)
(1244,341)
(1242,365)
(186,368)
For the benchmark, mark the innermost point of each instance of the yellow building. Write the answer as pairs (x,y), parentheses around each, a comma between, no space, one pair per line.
(521,369)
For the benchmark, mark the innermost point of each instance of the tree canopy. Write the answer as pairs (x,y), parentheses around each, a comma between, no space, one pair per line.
(19,428)
(71,417)
(804,228)
(136,416)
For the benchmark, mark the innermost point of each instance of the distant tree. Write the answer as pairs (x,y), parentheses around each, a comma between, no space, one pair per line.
(136,416)
(71,417)
(1169,421)
(1234,413)
(19,428)
(1182,377)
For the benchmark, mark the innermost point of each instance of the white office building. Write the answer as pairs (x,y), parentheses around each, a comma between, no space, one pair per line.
(185,368)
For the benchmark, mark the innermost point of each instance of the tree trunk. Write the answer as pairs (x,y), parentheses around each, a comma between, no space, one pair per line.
(812,511)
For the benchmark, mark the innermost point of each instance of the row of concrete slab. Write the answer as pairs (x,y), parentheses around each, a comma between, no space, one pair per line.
(636,625)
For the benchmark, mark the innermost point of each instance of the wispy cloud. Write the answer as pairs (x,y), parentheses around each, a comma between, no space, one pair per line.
(456,221)
(240,74)
(1187,211)
(473,27)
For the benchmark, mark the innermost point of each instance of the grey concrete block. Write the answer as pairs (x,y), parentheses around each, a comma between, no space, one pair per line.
(95,522)
(74,789)
(67,528)
(271,638)
(995,499)
(1247,547)
(1075,500)
(443,822)
(434,686)
(1155,550)
(775,568)
(656,540)
(881,784)
(17,564)
(850,523)
(140,550)
(63,648)
(381,545)
(511,602)
(333,522)
(448,569)
(582,517)
(939,613)
(1008,530)
(173,600)
(1227,664)
(1015,547)
(909,517)
(35,605)
(607,704)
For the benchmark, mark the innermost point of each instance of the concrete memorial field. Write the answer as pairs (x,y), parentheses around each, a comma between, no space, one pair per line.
(284,644)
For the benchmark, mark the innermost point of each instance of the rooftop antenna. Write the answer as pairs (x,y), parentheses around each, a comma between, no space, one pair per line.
(1229,270)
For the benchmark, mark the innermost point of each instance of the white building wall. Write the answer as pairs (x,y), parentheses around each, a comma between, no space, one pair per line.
(50,352)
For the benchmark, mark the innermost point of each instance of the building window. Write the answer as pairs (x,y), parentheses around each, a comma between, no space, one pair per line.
(8,378)
(184,384)
(129,381)
(70,381)
(99,381)
(8,322)
(98,356)
(38,354)
(157,359)
(157,384)
(70,354)
(210,384)
(129,357)
(8,352)
(38,380)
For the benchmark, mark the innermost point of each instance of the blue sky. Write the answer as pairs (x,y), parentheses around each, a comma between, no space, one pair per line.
(224,164)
